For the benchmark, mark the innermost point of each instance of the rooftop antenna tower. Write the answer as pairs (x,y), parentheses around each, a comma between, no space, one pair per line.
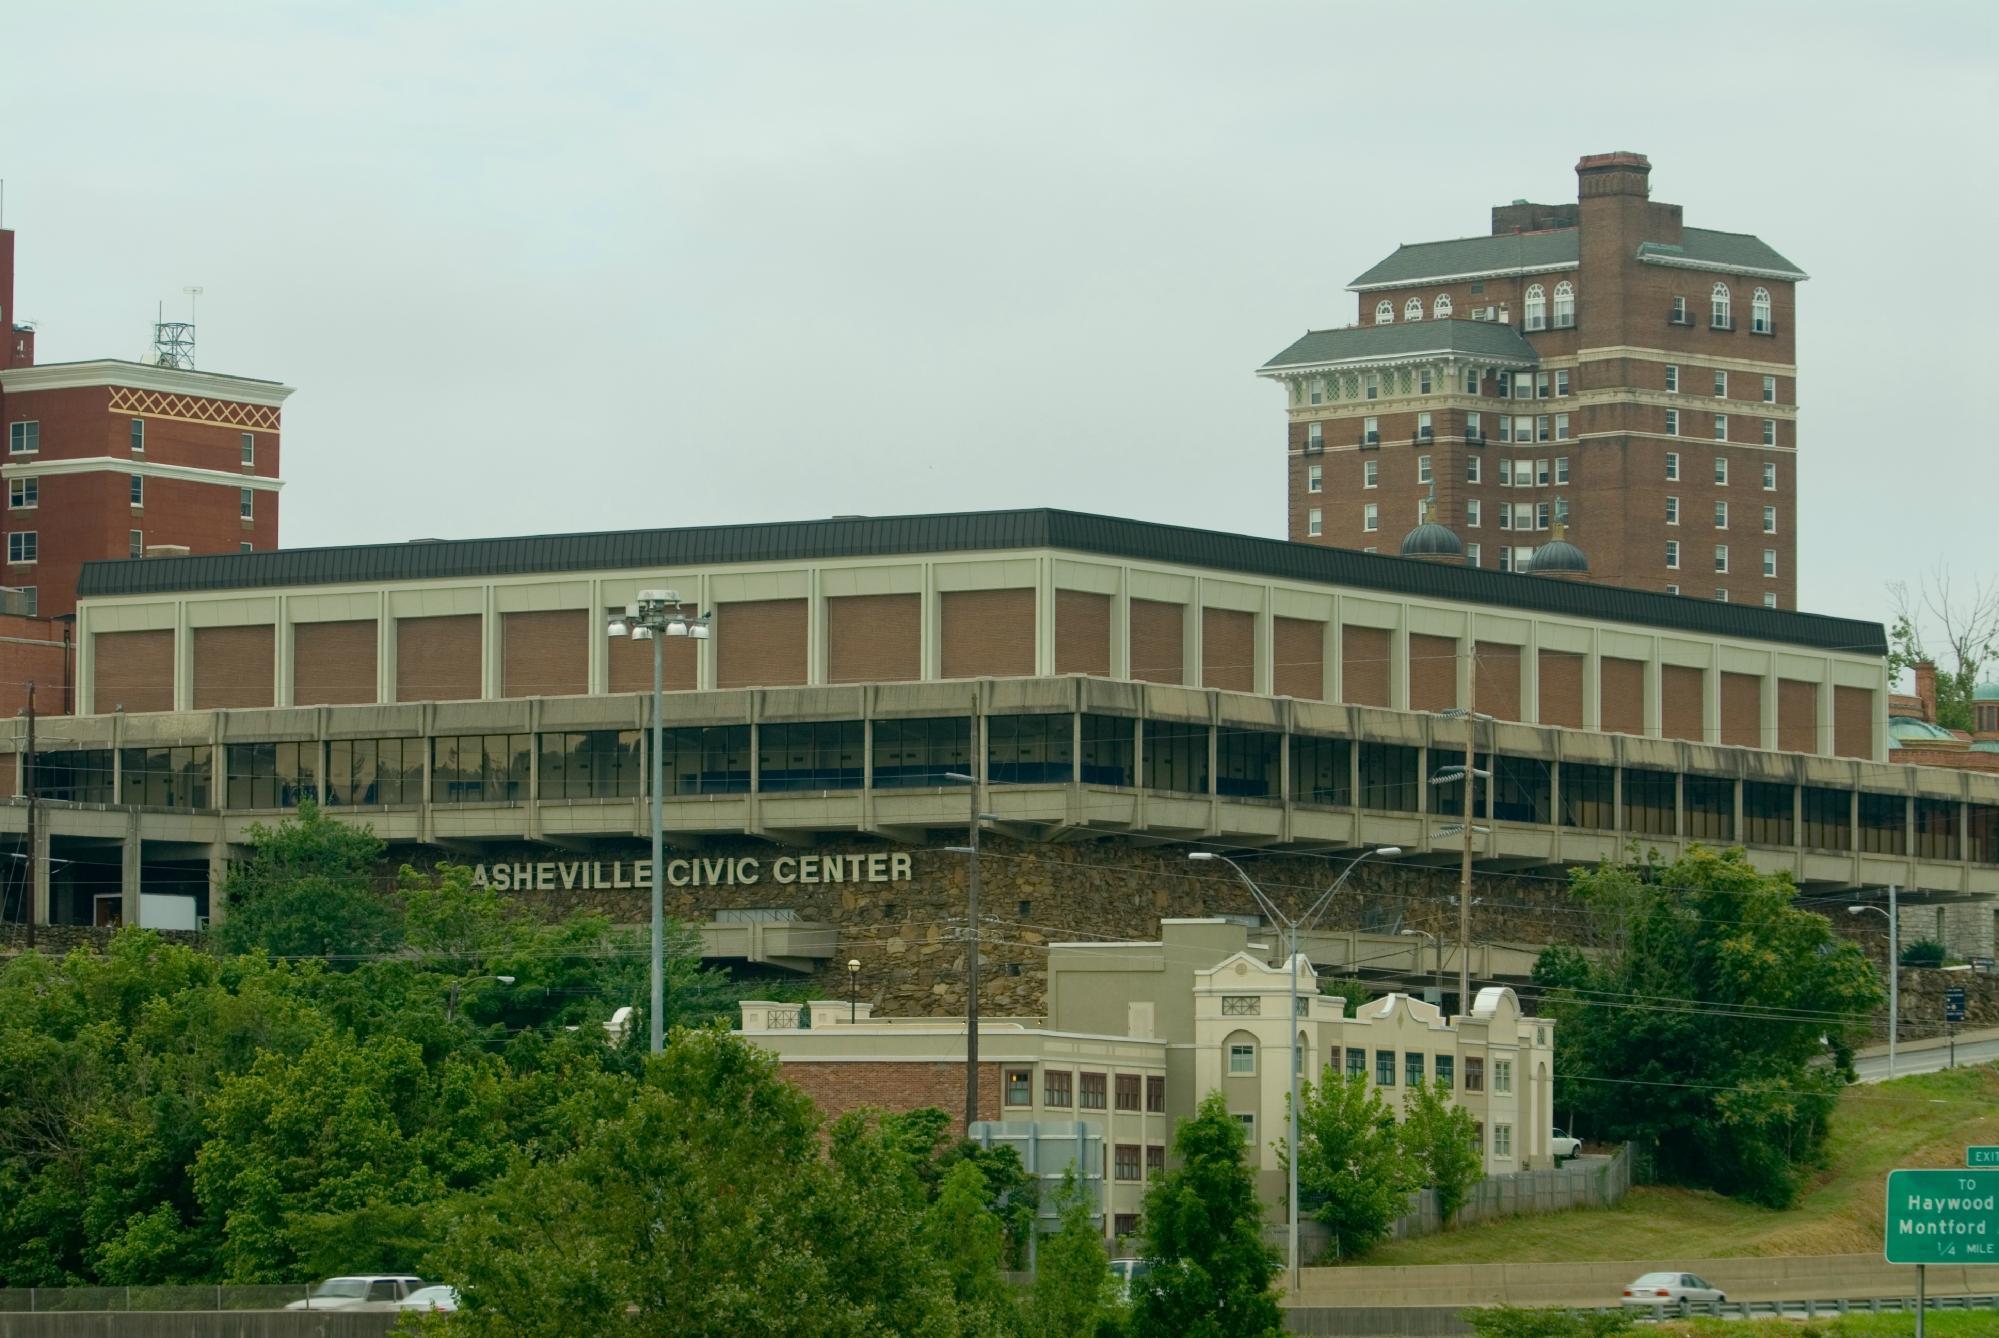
(173,341)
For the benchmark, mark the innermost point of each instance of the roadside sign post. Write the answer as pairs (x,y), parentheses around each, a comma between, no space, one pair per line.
(1953,1013)
(1941,1217)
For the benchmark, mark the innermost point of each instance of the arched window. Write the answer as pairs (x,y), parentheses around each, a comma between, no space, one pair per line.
(1441,308)
(1412,310)
(1565,305)
(1384,313)
(1759,311)
(1720,319)
(1537,307)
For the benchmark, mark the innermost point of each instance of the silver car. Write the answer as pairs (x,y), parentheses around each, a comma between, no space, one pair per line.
(365,1291)
(434,1297)
(1667,1290)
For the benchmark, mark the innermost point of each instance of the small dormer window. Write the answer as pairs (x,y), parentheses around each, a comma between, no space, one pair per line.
(1412,310)
(1384,312)
(1441,308)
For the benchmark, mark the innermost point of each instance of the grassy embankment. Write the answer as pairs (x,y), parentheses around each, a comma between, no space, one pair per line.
(1926,1120)
(1941,1324)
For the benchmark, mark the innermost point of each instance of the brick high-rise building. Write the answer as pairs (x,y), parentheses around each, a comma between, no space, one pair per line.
(108,459)
(1596,366)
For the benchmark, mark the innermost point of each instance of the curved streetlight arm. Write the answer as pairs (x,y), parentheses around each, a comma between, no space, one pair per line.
(1318,907)
(1263,902)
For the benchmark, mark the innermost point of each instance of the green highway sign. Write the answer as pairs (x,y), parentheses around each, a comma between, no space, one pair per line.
(1981,1156)
(1942,1217)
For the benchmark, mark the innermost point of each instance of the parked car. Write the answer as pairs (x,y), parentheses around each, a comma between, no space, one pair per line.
(434,1297)
(1564,1146)
(1669,1289)
(1128,1272)
(365,1291)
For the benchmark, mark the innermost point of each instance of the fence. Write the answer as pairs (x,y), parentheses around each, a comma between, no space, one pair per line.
(1590,1182)
(97,1300)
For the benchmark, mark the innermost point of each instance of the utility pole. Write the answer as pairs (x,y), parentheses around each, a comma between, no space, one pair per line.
(970,780)
(1464,864)
(33,864)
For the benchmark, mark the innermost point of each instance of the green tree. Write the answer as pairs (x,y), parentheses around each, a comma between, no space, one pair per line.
(1442,1140)
(1210,1271)
(1701,1033)
(306,890)
(969,1241)
(1074,1294)
(1963,622)
(1354,1170)
(1355,991)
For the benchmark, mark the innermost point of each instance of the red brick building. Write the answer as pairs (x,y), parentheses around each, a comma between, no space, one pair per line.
(109,459)
(1597,365)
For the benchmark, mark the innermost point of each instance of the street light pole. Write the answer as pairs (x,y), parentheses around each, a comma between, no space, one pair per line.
(1437,970)
(1292,928)
(1470,775)
(853,990)
(656,614)
(1894,966)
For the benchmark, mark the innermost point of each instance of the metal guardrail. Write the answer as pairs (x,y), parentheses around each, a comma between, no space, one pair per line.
(1806,1309)
(203,1299)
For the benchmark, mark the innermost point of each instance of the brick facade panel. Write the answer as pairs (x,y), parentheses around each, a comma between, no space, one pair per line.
(546,653)
(1228,650)
(874,638)
(759,643)
(133,671)
(1852,722)
(837,1088)
(1797,716)
(439,659)
(334,664)
(986,633)
(234,667)
(629,664)
(34,650)
(1364,678)
(1158,641)
(1621,695)
(1562,688)
(1433,672)
(1082,633)
(1680,703)
(1300,648)
(1741,710)
(1498,670)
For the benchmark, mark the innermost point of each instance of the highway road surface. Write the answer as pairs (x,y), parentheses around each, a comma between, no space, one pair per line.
(1927,1055)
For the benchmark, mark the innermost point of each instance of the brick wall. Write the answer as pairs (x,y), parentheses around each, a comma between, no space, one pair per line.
(1621,695)
(838,1088)
(630,664)
(233,666)
(544,653)
(1082,633)
(133,671)
(1158,641)
(986,633)
(1364,675)
(1741,710)
(1228,650)
(874,638)
(1433,672)
(1562,688)
(334,664)
(1498,670)
(438,659)
(1797,716)
(1680,697)
(35,650)
(759,643)
(1300,648)
(1852,722)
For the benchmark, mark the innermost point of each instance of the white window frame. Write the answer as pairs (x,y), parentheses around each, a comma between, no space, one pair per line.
(24,494)
(1721,471)
(1672,589)
(1561,383)
(1423,469)
(1245,1053)
(1505,471)
(1315,522)
(1672,378)
(1424,428)
(1422,380)
(1769,599)
(1769,390)
(1471,513)
(1412,310)
(246,504)
(1721,594)
(1541,472)
(1534,308)
(135,543)
(1769,520)
(249,450)
(1471,380)
(1471,555)
(1543,513)
(1441,308)
(1759,312)
(1721,559)
(1769,432)
(1315,478)
(1544,427)
(1679,316)
(1473,467)
(24,436)
(1769,564)
(1371,386)
(1721,515)
(1720,384)
(136,436)
(1502,1079)
(1544,386)
(1721,427)
(23,547)
(1769,476)
(1370,473)
(1561,427)
(136,491)
(1720,307)
(1502,1142)
(1672,422)
(1561,469)
(1384,312)
(1565,305)
(1672,466)
(1672,509)
(1672,555)
(1370,518)
(1370,431)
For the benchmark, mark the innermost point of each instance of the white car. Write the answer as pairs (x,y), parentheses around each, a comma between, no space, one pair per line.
(366,1291)
(1669,1289)
(1563,1146)
(1128,1272)
(436,1297)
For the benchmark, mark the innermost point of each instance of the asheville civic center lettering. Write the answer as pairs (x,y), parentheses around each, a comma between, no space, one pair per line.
(741,871)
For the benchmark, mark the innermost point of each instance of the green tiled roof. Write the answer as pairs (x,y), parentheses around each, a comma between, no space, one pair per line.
(1700,247)
(1513,251)
(1485,339)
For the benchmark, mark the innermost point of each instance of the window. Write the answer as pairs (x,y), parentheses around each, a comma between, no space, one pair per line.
(1721,427)
(1356,1062)
(1541,385)
(1770,602)
(1472,468)
(1720,385)
(1721,515)
(1561,427)
(1089,1091)
(1412,310)
(1242,1059)
(1721,471)
(1543,427)
(1672,422)
(1019,1086)
(1471,555)
(604,764)
(1769,432)
(24,494)
(1384,313)
(1770,563)
(1721,558)
(1423,428)
(30,605)
(138,436)
(138,490)
(1523,428)
(1502,1134)
(1720,595)
(1370,431)
(244,547)
(1505,427)
(1125,1161)
(1502,1075)
(1672,510)
(1471,513)
(1759,311)
(1370,518)
(270,775)
(1422,469)
(1474,1073)
(1506,515)
(1523,386)
(1537,308)
(1565,305)
(1540,473)
(24,438)
(1506,385)
(1248,1123)
(1315,523)
(1441,308)
(1541,514)
(1672,466)
(1770,476)
(1679,316)
(21,546)
(1317,392)
(1672,377)
(1471,380)
(1384,1068)
(1523,515)
(1718,300)
(1422,380)
(1155,1098)
(1769,390)
(1315,478)
(1562,510)
(1506,473)
(1672,589)
(249,449)
(480,768)
(1446,1070)
(1769,520)
(1126,1090)
(1412,1068)
(808,755)
(1155,1159)
(1672,555)
(245,506)
(1562,383)
(1370,472)
(135,544)
(1124,1224)
(1315,437)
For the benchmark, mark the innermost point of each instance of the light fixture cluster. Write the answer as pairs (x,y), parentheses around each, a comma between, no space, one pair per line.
(659,613)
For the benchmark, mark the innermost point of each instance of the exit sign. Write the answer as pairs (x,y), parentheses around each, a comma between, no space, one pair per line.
(1981,1156)
(1942,1217)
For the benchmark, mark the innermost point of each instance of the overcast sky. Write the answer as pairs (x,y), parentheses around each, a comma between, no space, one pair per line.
(542,268)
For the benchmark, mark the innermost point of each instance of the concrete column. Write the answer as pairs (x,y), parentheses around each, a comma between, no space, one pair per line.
(183,659)
(131,873)
(1331,659)
(1263,660)
(1530,675)
(38,895)
(218,877)
(599,655)
(1044,617)
(1593,684)
(281,654)
(489,646)
(1767,704)
(1711,697)
(815,631)
(385,650)
(1655,693)
(1824,742)
(1121,626)
(930,628)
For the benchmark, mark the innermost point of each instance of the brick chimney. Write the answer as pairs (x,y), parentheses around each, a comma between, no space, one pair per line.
(1926,688)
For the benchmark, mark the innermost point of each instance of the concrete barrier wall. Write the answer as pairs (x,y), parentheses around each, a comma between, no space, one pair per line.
(196,1324)
(1854,1276)
(1378,1322)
